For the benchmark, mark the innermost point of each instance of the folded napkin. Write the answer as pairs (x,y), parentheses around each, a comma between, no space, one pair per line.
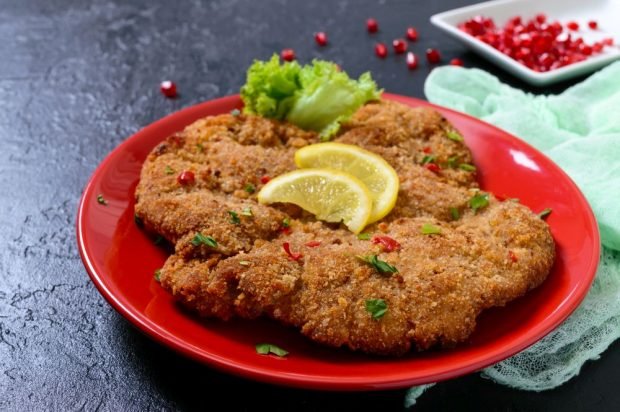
(580,130)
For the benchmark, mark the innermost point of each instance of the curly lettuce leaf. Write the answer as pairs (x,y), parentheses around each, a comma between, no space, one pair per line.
(316,97)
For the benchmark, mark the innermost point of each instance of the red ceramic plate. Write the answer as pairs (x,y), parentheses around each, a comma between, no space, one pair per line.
(121,260)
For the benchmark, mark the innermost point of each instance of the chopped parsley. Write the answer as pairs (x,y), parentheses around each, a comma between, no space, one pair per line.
(101,200)
(244,263)
(201,239)
(452,161)
(428,229)
(479,201)
(247,211)
(376,307)
(286,222)
(364,236)
(452,135)
(546,212)
(267,348)
(250,188)
(381,266)
(137,220)
(158,240)
(428,159)
(235,112)
(169,170)
(467,167)
(234,217)
(454,213)
(157,274)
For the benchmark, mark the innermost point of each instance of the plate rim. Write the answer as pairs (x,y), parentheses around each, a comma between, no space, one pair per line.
(313,381)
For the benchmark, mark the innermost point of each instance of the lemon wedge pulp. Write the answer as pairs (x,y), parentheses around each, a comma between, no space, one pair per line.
(377,174)
(331,195)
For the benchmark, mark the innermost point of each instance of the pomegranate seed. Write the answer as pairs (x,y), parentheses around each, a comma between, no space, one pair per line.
(288,55)
(186,178)
(412,61)
(427,149)
(412,34)
(400,46)
(313,243)
(608,41)
(537,43)
(381,50)
(320,38)
(372,26)
(456,62)
(593,24)
(433,56)
(432,167)
(265,179)
(168,89)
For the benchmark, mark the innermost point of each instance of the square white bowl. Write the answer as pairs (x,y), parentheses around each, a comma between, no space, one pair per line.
(605,12)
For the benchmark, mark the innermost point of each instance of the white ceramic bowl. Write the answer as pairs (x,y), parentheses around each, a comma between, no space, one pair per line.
(605,12)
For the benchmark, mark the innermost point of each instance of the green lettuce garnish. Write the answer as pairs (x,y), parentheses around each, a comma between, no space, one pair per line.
(315,97)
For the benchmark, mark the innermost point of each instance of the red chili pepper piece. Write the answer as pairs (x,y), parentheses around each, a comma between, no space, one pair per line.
(427,149)
(265,179)
(313,243)
(387,243)
(372,26)
(168,89)
(286,230)
(512,256)
(381,50)
(186,178)
(293,256)
(433,167)
(288,55)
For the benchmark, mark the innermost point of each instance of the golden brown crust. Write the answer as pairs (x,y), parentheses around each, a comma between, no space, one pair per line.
(481,260)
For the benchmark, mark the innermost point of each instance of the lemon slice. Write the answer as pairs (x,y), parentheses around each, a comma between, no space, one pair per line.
(377,174)
(330,195)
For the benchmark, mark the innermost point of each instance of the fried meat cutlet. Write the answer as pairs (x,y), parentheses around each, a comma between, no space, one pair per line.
(485,258)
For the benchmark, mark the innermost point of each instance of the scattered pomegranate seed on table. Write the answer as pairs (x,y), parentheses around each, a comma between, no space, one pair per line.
(412,61)
(538,43)
(412,34)
(186,178)
(593,24)
(400,46)
(433,56)
(456,62)
(168,89)
(320,38)
(381,50)
(372,26)
(288,55)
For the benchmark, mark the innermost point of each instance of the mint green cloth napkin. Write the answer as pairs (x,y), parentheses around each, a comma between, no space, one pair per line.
(580,130)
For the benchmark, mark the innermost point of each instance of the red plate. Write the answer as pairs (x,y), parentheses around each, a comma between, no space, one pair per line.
(121,260)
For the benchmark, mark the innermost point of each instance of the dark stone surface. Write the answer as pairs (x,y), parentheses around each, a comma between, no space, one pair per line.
(76,78)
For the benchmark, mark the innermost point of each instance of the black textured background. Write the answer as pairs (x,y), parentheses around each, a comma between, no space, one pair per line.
(76,78)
